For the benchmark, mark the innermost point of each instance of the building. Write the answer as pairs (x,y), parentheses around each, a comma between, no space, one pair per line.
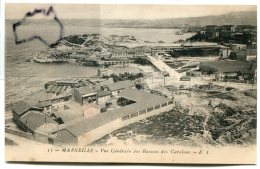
(212,32)
(105,72)
(34,119)
(194,73)
(50,102)
(20,108)
(114,62)
(236,71)
(117,87)
(62,136)
(85,131)
(199,49)
(29,118)
(82,125)
(45,105)
(44,132)
(84,95)
(230,28)
(103,95)
(238,52)
(127,53)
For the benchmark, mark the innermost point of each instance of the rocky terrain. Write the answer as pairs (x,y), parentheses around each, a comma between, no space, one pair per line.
(84,47)
(199,119)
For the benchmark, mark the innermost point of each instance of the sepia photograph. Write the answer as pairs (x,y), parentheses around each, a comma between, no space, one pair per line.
(130,83)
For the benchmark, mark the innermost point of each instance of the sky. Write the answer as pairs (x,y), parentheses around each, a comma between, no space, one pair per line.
(124,11)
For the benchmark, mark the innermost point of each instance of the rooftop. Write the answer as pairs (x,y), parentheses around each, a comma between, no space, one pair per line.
(94,122)
(34,119)
(86,90)
(20,107)
(73,111)
(102,93)
(120,85)
(43,104)
(128,50)
(229,66)
(48,128)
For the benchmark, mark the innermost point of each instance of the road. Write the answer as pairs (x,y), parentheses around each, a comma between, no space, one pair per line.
(158,63)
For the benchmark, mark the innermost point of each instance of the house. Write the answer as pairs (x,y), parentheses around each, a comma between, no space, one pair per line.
(127,53)
(226,52)
(212,32)
(63,136)
(46,97)
(115,88)
(230,28)
(32,120)
(231,70)
(105,72)
(44,132)
(114,61)
(50,102)
(45,105)
(239,52)
(84,94)
(20,108)
(103,95)
(87,130)
(85,124)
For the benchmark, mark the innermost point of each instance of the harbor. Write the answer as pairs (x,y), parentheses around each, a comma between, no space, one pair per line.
(184,81)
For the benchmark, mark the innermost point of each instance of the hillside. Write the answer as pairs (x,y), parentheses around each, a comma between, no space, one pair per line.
(234,18)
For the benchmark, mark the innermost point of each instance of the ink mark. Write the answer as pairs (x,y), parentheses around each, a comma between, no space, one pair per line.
(31,14)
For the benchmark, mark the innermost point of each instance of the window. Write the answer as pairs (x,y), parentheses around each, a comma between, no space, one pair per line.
(134,115)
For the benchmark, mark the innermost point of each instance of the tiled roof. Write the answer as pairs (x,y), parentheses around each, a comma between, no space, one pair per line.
(43,104)
(121,85)
(101,93)
(144,100)
(20,107)
(86,90)
(33,119)
(48,128)
(68,115)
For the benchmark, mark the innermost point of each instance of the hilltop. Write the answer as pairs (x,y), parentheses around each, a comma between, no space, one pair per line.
(232,18)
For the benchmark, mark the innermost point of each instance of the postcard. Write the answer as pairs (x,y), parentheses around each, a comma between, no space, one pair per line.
(131,83)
